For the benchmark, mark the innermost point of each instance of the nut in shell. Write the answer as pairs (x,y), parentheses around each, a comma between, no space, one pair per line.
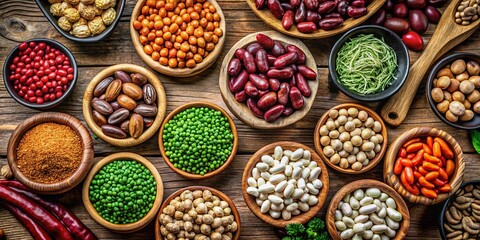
(81,21)
(139,79)
(87,11)
(64,24)
(126,102)
(81,31)
(149,94)
(135,126)
(56,9)
(104,4)
(71,14)
(108,16)
(96,25)
(132,90)
(113,90)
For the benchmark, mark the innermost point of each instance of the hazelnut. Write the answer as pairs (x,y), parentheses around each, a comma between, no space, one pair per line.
(96,26)
(108,16)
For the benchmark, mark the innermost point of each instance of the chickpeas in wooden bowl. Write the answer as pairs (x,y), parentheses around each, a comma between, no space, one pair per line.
(178,38)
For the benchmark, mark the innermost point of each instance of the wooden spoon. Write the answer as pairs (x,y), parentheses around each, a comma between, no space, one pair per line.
(447,35)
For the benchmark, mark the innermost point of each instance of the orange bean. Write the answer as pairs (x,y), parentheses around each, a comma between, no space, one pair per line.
(443,175)
(402,153)
(437,152)
(425,183)
(427,149)
(414,147)
(430,166)
(446,150)
(430,142)
(445,189)
(417,175)
(422,170)
(413,140)
(398,167)
(429,193)
(431,158)
(411,155)
(439,183)
(450,167)
(409,175)
(418,158)
(431,175)
(406,162)
(412,189)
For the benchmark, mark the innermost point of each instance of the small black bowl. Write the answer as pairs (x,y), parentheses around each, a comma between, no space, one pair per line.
(441,218)
(393,40)
(44,6)
(45,105)
(469,125)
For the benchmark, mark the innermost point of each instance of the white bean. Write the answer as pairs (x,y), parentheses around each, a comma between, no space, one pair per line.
(314,173)
(286,215)
(281,186)
(366,201)
(346,209)
(312,200)
(296,212)
(340,225)
(288,190)
(277,153)
(305,173)
(371,208)
(288,170)
(354,214)
(260,182)
(383,197)
(297,173)
(357,236)
(391,203)
(277,207)
(292,207)
(252,182)
(297,193)
(358,228)
(368,224)
(312,165)
(361,219)
(368,234)
(317,183)
(384,237)
(376,237)
(305,162)
(266,188)
(277,169)
(391,223)
(292,181)
(376,219)
(276,178)
(304,207)
(347,234)
(263,196)
(255,173)
(348,221)
(346,198)
(297,154)
(354,203)
(265,206)
(338,215)
(378,203)
(274,214)
(373,192)
(394,214)
(287,153)
(285,160)
(312,189)
(379,228)
(267,159)
(305,197)
(287,201)
(382,213)
(298,164)
(307,154)
(358,194)
(275,199)
(253,191)
(259,201)
(262,167)
(390,232)
(265,175)
(301,183)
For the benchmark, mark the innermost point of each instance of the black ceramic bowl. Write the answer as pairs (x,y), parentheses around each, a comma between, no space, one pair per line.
(44,5)
(472,124)
(45,105)
(441,218)
(393,40)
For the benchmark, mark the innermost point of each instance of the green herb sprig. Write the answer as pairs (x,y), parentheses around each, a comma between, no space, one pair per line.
(315,230)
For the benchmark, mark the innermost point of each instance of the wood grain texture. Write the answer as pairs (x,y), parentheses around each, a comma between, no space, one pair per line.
(319,147)
(365,184)
(447,35)
(178,72)
(276,24)
(129,227)
(250,200)
(85,163)
(394,181)
(181,109)
(161,104)
(215,192)
(240,110)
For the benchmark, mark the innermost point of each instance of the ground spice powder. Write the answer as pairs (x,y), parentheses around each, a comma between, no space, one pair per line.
(49,153)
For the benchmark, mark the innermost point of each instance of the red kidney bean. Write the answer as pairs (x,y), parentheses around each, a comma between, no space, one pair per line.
(397,25)
(342,6)
(418,21)
(358,3)
(282,94)
(249,62)
(267,100)
(241,96)
(286,7)
(302,85)
(330,23)
(252,105)
(311,4)
(271,59)
(287,20)
(284,73)
(261,93)
(250,89)
(266,41)
(417,3)
(273,113)
(307,72)
(433,15)
(301,13)
(296,98)
(379,17)
(326,7)
(234,67)
(294,67)
(388,5)
(400,10)
(278,49)
(307,27)
(239,82)
(293,81)
(413,41)
(436,3)
(261,60)
(301,58)
(274,84)
(356,12)
(312,16)
(239,53)
(285,59)
(295,3)
(253,48)
(333,15)
(260,4)
(287,111)
(275,8)
(259,82)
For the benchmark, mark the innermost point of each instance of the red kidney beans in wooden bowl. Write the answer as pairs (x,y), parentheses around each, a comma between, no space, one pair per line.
(310,15)
(409,19)
(270,77)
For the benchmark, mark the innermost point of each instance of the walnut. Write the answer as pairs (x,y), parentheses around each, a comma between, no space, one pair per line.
(56,9)
(87,1)
(54,1)
(81,31)
(63,7)
(81,21)
(64,24)
(87,11)
(104,4)
(108,16)
(96,26)
(73,2)
(71,14)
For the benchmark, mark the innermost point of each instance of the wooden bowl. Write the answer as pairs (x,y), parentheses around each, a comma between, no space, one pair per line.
(394,181)
(60,118)
(221,195)
(178,72)
(363,184)
(250,200)
(130,227)
(240,110)
(276,24)
(372,162)
(161,104)
(181,109)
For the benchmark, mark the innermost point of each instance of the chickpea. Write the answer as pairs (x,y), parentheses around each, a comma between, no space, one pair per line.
(362,115)
(335,159)
(356,140)
(201,42)
(458,96)
(172,62)
(450,116)
(467,116)
(329,151)
(348,146)
(443,106)
(325,140)
(443,82)
(445,72)
(197,58)
(437,94)
(475,80)
(458,66)
(467,87)
(447,96)
(163,61)
(454,85)
(209,47)
(462,77)
(344,163)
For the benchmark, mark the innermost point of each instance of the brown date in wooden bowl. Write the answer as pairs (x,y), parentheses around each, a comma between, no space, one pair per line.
(215,192)
(251,201)
(129,227)
(161,104)
(395,182)
(59,118)
(373,162)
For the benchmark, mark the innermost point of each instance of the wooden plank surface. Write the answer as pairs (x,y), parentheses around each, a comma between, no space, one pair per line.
(21,20)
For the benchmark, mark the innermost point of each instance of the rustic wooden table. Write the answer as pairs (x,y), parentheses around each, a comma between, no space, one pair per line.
(21,20)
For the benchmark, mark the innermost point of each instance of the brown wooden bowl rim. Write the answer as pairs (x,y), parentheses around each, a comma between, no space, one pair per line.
(378,156)
(178,72)
(394,181)
(218,193)
(266,16)
(238,108)
(363,184)
(301,218)
(161,104)
(181,109)
(130,227)
(63,119)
